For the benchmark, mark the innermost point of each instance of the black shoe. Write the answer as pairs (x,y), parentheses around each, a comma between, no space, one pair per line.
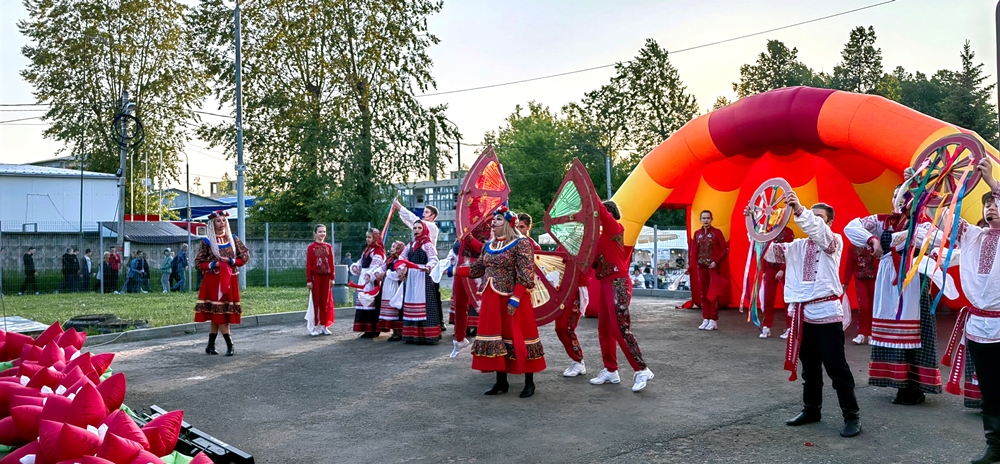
(210,349)
(498,388)
(803,418)
(909,397)
(991,455)
(230,348)
(852,428)
(395,338)
(444,328)
(529,389)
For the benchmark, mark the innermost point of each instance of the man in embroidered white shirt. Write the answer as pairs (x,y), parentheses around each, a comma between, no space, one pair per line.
(429,215)
(978,326)
(813,291)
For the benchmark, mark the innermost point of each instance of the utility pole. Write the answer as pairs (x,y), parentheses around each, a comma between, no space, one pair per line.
(607,168)
(123,155)
(241,226)
(432,141)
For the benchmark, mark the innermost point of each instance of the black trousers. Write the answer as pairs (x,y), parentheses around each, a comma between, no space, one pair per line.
(986,359)
(823,346)
(29,280)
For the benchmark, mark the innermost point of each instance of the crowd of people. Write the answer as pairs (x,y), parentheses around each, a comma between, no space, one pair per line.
(81,274)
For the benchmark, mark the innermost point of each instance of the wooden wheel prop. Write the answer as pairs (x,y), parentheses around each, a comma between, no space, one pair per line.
(769,214)
(555,285)
(572,217)
(943,170)
(483,190)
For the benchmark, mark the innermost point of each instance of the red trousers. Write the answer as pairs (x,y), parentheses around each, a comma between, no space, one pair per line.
(461,309)
(770,292)
(866,298)
(709,309)
(616,295)
(566,330)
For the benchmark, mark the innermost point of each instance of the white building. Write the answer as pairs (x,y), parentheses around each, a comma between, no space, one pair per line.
(44,199)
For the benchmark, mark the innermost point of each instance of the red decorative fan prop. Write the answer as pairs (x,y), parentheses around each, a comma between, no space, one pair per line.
(483,190)
(572,217)
(556,277)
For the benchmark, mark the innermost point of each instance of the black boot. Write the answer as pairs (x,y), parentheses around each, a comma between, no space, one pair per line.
(991,428)
(210,349)
(501,386)
(852,424)
(230,350)
(529,385)
(808,415)
(909,397)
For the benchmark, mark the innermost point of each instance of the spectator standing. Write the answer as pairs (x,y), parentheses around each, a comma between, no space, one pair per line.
(144,272)
(648,278)
(70,271)
(86,268)
(104,270)
(29,272)
(165,269)
(347,260)
(180,264)
(115,263)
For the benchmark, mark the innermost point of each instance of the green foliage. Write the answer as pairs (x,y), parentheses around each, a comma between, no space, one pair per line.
(968,102)
(83,53)
(861,68)
(777,68)
(330,112)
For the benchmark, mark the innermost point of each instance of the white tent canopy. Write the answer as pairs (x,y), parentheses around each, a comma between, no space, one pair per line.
(665,239)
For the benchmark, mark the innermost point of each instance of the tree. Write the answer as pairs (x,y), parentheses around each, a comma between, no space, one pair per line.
(968,102)
(226,185)
(777,68)
(330,108)
(861,68)
(83,53)
(721,102)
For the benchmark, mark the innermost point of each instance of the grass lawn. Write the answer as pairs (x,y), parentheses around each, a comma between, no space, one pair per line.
(158,309)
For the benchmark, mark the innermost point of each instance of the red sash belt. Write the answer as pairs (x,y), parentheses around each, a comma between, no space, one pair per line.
(956,347)
(794,341)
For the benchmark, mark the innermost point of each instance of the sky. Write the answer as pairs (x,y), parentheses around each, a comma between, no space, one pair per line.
(487,42)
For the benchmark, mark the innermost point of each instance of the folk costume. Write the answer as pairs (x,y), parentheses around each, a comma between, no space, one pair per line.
(420,312)
(710,247)
(903,331)
(613,320)
(565,326)
(366,305)
(432,230)
(320,273)
(219,258)
(390,316)
(770,286)
(861,268)
(977,329)
(813,291)
(464,312)
(506,343)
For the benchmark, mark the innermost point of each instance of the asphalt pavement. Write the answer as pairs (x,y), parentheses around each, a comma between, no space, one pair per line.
(718,396)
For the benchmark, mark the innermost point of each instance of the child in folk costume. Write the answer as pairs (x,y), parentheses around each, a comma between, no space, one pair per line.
(710,249)
(565,324)
(390,316)
(813,291)
(507,342)
(219,257)
(420,316)
(366,311)
(319,277)
(773,274)
(862,269)
(613,319)
(903,330)
(977,329)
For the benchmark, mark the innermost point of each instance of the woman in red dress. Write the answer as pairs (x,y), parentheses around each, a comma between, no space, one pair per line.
(508,337)
(219,259)
(319,277)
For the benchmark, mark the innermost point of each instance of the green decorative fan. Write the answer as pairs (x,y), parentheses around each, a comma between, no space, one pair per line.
(572,217)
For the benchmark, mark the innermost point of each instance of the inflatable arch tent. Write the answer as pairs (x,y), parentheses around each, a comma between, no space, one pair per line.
(841,148)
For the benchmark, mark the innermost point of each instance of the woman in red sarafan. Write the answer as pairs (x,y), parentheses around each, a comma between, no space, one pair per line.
(508,337)
(319,277)
(219,259)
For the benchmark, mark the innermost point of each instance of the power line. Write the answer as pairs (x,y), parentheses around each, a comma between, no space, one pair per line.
(21,119)
(696,47)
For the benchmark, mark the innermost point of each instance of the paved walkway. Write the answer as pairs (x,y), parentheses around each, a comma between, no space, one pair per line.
(717,397)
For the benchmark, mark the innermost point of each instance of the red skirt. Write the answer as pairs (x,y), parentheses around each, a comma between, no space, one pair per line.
(215,306)
(507,343)
(322,297)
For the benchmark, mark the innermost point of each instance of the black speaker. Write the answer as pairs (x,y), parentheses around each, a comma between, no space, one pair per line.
(193,441)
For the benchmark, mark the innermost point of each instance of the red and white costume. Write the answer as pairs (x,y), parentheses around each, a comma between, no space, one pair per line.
(710,247)
(320,273)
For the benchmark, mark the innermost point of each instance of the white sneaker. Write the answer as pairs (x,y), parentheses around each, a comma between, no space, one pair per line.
(458,346)
(784,335)
(704,324)
(20,293)
(575,369)
(765,332)
(859,340)
(641,378)
(314,332)
(164,291)
(325,331)
(606,376)
(712,325)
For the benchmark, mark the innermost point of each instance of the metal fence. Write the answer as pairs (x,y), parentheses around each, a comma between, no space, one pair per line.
(277,253)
